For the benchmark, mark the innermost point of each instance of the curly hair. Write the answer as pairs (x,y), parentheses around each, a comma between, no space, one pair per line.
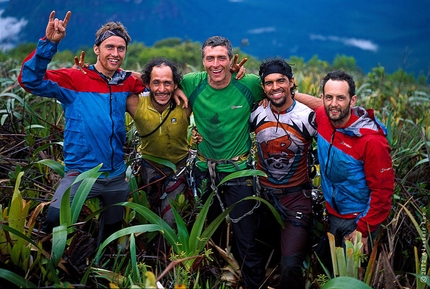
(158,62)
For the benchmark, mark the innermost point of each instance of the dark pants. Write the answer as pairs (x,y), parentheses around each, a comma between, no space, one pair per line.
(109,191)
(245,230)
(296,211)
(340,228)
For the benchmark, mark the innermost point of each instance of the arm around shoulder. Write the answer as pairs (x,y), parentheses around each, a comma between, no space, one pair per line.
(309,100)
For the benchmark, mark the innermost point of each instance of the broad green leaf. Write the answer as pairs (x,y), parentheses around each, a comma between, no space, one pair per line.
(54,165)
(127,231)
(135,268)
(243,173)
(423,279)
(167,231)
(16,279)
(196,230)
(344,283)
(88,179)
(183,235)
(16,214)
(17,233)
(160,161)
(59,238)
(65,211)
(341,262)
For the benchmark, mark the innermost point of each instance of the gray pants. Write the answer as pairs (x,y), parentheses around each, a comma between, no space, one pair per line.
(109,191)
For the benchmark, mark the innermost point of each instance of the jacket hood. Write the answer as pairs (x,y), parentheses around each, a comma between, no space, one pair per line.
(119,76)
(365,124)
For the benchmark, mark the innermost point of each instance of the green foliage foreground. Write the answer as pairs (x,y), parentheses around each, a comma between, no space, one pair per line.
(31,165)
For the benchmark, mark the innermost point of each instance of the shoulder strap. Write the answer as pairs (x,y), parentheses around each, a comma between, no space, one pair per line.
(172,107)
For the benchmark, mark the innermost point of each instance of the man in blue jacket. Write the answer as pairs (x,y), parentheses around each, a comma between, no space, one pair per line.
(357,176)
(94,104)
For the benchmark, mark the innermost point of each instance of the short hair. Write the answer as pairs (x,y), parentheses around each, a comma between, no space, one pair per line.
(276,65)
(218,41)
(158,62)
(339,75)
(117,28)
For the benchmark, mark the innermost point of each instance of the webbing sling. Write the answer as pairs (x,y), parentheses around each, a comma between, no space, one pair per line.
(246,92)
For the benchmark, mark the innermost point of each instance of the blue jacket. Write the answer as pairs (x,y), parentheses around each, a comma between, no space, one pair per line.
(357,177)
(94,109)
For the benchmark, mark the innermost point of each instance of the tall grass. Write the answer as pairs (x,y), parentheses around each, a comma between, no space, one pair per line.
(31,130)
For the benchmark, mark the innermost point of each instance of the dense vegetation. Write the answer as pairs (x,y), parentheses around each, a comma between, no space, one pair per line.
(30,166)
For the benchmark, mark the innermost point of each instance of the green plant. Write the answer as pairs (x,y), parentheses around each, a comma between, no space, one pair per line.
(345,282)
(186,245)
(346,262)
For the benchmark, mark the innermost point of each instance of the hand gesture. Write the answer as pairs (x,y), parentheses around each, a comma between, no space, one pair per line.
(56,29)
(196,137)
(79,62)
(238,67)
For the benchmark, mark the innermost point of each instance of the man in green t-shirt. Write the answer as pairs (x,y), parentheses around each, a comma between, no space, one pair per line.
(221,105)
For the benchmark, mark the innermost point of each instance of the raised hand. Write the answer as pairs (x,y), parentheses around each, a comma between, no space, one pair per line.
(56,29)
(80,63)
(238,67)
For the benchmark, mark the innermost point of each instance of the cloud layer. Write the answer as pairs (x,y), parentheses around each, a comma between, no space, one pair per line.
(10,29)
(360,43)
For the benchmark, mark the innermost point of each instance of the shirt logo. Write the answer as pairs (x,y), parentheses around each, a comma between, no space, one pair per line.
(345,144)
(236,106)
(386,169)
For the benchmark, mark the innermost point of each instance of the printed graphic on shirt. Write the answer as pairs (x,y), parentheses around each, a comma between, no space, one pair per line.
(283,141)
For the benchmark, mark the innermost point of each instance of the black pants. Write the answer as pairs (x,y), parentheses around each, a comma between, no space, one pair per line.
(245,230)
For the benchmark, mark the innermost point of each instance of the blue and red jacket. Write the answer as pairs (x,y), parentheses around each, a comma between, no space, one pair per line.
(94,108)
(357,176)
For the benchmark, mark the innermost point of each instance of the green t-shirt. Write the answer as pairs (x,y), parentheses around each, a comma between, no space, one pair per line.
(222,116)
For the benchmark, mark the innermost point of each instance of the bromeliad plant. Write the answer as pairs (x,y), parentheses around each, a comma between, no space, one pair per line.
(15,233)
(187,246)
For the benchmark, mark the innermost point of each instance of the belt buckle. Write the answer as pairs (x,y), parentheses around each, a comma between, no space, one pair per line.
(249,182)
(278,191)
(299,215)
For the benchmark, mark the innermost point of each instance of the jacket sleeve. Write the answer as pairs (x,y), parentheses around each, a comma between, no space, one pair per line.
(379,173)
(34,76)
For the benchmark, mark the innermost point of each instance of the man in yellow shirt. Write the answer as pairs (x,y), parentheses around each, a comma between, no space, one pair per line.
(162,128)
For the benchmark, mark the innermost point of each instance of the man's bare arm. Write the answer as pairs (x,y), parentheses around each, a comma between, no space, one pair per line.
(309,100)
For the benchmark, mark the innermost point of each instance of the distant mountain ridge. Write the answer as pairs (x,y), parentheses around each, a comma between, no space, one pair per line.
(279,28)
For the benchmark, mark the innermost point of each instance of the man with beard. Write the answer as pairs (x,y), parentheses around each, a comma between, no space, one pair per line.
(284,130)
(162,126)
(357,176)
